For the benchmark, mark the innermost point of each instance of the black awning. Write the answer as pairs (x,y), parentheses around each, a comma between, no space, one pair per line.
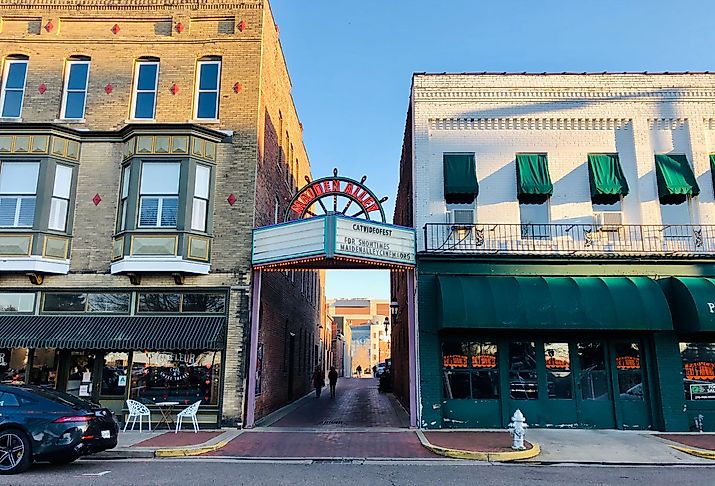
(156,333)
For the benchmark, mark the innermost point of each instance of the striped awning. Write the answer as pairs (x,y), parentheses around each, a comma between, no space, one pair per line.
(156,333)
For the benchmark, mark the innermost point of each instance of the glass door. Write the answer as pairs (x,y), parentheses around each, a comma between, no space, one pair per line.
(560,400)
(632,398)
(594,399)
(81,370)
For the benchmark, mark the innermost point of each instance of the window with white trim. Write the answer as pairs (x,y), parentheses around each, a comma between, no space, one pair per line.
(146,81)
(159,194)
(208,81)
(200,204)
(126,173)
(74,95)
(13,88)
(60,198)
(18,193)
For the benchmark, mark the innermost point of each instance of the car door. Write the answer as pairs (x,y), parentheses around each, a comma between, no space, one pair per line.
(9,408)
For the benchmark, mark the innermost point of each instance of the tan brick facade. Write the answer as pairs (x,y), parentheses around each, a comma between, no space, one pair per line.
(261,160)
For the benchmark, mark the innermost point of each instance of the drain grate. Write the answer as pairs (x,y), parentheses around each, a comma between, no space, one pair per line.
(332,422)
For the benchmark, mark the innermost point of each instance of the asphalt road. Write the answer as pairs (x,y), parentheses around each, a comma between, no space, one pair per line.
(219,472)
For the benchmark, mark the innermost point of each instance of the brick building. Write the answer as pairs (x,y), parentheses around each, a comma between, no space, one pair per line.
(140,143)
(565,249)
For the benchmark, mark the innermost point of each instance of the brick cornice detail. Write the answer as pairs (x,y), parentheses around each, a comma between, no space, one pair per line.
(563,94)
(124,5)
(529,123)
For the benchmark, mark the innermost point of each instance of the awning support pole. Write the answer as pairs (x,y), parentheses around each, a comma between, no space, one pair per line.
(253,346)
(412,345)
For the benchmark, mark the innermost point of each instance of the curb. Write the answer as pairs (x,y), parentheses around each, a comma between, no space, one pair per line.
(478,455)
(190,451)
(707,454)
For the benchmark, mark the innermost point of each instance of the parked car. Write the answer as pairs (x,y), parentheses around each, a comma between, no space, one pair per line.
(40,424)
(379,369)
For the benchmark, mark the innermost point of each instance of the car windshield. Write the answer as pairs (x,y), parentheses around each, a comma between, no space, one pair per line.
(61,398)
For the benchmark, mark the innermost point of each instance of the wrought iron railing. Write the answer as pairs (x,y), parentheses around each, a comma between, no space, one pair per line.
(570,239)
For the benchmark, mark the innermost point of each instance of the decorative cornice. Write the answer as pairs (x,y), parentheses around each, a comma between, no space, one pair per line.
(529,123)
(563,94)
(75,5)
(666,123)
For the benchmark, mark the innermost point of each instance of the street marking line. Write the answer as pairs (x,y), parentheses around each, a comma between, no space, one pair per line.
(96,474)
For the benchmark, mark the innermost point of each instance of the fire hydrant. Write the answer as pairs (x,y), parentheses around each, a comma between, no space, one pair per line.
(517,429)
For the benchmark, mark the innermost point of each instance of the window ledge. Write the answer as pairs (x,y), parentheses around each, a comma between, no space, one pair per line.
(10,119)
(205,121)
(159,264)
(34,264)
(140,120)
(68,121)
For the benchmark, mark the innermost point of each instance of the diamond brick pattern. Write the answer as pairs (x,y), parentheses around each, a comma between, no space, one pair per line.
(115,29)
(42,88)
(49,26)
(108,89)
(97,199)
(174,89)
(231,199)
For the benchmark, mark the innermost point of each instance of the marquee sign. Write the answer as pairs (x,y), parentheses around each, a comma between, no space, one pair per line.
(335,195)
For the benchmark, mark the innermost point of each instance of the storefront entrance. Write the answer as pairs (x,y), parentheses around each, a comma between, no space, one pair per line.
(582,383)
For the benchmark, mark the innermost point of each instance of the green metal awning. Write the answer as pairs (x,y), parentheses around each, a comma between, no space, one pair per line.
(692,302)
(156,333)
(608,183)
(559,303)
(675,178)
(460,178)
(533,182)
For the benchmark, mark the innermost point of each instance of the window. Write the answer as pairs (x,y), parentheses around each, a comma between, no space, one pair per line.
(185,377)
(174,302)
(201,198)
(145,88)
(593,379)
(630,375)
(18,188)
(17,302)
(13,88)
(698,370)
(114,374)
(74,96)
(99,302)
(470,369)
(207,90)
(534,220)
(615,207)
(14,367)
(213,303)
(60,198)
(126,173)
(523,384)
(159,302)
(558,370)
(159,195)
(44,367)
(675,214)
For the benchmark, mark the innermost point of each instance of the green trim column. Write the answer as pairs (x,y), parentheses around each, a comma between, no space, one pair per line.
(669,383)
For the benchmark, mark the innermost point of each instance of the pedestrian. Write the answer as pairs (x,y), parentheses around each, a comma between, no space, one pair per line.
(318,381)
(333,380)
(358,371)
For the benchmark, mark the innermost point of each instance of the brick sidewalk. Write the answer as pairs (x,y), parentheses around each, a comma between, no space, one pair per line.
(473,441)
(287,444)
(182,439)
(701,441)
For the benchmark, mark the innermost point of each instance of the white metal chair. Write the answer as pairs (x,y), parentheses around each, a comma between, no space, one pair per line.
(189,411)
(140,410)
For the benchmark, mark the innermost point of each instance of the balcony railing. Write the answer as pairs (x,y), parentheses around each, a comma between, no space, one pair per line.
(570,239)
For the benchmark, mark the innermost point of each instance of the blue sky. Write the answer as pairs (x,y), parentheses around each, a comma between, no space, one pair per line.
(351,65)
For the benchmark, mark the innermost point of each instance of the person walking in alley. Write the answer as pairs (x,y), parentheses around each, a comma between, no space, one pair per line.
(318,380)
(333,380)
(358,371)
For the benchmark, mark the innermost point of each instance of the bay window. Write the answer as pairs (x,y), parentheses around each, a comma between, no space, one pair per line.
(126,173)
(159,194)
(208,82)
(60,198)
(74,97)
(200,203)
(13,87)
(18,193)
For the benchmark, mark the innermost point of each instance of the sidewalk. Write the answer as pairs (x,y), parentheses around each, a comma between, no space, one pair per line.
(164,443)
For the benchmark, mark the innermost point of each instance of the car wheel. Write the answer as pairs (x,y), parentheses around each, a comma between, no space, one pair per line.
(62,460)
(15,453)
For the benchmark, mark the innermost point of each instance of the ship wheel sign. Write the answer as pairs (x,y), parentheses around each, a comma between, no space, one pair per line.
(335,195)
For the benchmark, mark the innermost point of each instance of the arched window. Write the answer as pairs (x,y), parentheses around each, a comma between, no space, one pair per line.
(74,94)
(146,81)
(208,86)
(13,86)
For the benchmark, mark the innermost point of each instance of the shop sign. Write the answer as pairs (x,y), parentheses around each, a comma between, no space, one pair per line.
(556,363)
(188,359)
(704,391)
(5,359)
(484,361)
(700,370)
(455,361)
(628,363)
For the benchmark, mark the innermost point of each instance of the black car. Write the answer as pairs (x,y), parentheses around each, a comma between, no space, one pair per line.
(39,424)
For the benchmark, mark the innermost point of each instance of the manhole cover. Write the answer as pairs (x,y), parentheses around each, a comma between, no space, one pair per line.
(332,422)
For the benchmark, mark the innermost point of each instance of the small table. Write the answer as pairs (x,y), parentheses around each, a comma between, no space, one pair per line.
(165,408)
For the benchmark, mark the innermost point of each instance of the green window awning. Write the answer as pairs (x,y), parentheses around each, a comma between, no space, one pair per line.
(460,178)
(533,182)
(675,177)
(692,301)
(156,333)
(552,303)
(608,184)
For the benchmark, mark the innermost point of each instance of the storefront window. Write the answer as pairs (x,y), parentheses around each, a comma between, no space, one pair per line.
(470,369)
(523,383)
(13,363)
(159,302)
(189,302)
(558,370)
(110,303)
(79,381)
(592,378)
(114,374)
(64,302)
(17,302)
(185,377)
(698,370)
(630,375)
(44,367)
(214,303)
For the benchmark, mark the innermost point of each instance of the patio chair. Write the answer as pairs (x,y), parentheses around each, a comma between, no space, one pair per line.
(137,409)
(189,411)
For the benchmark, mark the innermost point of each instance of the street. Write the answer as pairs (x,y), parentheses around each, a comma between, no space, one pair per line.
(219,472)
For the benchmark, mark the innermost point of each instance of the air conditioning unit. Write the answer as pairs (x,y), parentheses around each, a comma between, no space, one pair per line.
(608,220)
(461,216)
